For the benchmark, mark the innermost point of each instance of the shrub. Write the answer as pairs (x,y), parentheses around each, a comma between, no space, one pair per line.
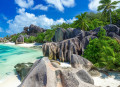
(31,39)
(40,38)
(104,52)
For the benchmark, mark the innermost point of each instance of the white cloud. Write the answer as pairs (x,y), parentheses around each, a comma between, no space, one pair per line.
(59,4)
(71,20)
(1,30)
(26,19)
(24,3)
(95,3)
(40,7)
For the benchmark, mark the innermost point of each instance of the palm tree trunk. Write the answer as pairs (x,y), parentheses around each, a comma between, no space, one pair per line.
(110,18)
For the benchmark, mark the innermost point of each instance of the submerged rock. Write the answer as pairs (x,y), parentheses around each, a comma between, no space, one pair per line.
(22,69)
(44,74)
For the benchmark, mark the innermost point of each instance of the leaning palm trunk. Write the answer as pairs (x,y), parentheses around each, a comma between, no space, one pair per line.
(110,18)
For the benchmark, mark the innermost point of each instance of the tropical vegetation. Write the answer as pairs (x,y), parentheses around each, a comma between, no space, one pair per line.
(104,52)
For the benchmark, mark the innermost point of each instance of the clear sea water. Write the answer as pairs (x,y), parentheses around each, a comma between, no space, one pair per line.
(12,55)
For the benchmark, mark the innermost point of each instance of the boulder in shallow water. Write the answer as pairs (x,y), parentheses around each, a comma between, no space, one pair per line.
(22,69)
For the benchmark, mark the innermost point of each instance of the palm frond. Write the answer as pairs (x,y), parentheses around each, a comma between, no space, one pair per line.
(105,1)
(113,7)
(101,7)
(115,3)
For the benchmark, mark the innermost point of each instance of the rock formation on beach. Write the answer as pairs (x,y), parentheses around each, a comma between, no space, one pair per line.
(74,41)
(20,40)
(44,74)
(32,30)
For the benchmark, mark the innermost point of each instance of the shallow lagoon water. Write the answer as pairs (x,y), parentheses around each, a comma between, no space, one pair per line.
(12,55)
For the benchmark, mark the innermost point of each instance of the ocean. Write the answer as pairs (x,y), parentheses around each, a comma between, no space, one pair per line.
(12,55)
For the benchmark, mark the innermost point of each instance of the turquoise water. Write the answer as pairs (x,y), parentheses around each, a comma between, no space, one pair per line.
(12,55)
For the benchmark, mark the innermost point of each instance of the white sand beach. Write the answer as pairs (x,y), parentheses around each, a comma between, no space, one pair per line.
(11,81)
(24,45)
(107,81)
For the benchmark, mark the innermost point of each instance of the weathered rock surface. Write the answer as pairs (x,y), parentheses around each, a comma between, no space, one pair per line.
(32,30)
(69,45)
(61,34)
(64,49)
(78,61)
(20,40)
(43,74)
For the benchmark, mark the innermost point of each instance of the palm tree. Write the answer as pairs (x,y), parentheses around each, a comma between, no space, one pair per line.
(81,22)
(107,6)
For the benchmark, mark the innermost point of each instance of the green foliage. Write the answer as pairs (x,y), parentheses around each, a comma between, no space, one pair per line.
(95,24)
(102,33)
(40,38)
(46,36)
(63,25)
(49,35)
(14,37)
(104,52)
(107,6)
(81,22)
(31,39)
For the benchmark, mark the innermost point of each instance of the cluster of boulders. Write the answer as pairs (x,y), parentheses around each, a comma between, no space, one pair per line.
(3,40)
(45,74)
(33,30)
(74,42)
(67,45)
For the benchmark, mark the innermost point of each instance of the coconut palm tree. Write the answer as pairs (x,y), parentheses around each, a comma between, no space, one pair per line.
(81,22)
(107,6)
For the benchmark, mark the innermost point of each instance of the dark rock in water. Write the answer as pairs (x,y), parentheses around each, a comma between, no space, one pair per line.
(8,73)
(20,40)
(43,74)
(22,69)
(78,61)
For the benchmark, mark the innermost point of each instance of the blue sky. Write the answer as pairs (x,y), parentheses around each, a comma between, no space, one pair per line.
(16,14)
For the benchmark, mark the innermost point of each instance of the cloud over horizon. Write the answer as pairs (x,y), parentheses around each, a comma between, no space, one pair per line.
(26,19)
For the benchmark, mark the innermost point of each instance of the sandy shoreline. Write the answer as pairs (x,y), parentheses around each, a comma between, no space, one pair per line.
(106,82)
(11,81)
(24,45)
